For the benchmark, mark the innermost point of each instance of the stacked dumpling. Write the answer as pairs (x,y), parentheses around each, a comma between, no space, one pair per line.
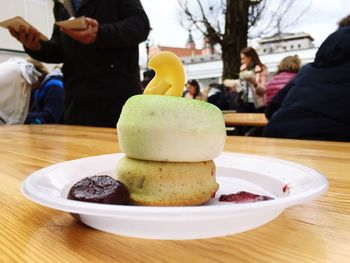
(170,143)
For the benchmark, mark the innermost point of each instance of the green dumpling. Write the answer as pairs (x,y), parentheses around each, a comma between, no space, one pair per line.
(173,129)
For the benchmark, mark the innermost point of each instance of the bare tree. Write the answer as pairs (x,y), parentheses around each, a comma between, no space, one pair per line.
(278,17)
(227,24)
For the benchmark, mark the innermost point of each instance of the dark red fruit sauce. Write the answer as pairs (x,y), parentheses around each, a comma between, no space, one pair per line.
(100,189)
(243,197)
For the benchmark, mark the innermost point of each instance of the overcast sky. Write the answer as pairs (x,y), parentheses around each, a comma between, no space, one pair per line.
(319,21)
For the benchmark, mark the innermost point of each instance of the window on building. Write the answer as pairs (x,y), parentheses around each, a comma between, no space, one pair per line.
(299,46)
(291,46)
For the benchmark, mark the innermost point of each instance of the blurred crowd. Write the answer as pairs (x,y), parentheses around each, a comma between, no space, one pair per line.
(301,102)
(252,91)
(29,93)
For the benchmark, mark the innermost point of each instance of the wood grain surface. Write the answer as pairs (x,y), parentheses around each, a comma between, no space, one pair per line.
(316,231)
(245,119)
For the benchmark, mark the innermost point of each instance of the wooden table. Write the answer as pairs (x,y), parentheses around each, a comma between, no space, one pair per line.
(316,231)
(245,119)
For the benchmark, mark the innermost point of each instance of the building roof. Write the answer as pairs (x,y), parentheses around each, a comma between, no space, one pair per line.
(285,36)
(201,58)
(180,52)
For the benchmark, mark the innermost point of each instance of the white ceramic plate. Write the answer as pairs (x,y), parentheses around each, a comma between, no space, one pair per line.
(235,172)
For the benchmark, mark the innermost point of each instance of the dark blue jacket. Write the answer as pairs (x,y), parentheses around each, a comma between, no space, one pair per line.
(316,103)
(47,102)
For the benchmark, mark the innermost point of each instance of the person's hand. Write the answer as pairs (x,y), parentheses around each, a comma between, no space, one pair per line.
(260,91)
(250,80)
(85,36)
(29,38)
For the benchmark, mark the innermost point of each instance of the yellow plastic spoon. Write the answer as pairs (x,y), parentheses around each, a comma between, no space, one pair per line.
(169,76)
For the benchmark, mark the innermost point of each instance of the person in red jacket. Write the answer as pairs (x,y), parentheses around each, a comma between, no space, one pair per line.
(286,70)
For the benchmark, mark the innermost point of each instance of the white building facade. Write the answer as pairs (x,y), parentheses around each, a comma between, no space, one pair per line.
(285,42)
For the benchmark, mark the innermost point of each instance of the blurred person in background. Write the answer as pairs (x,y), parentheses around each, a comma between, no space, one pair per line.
(148,75)
(315,104)
(47,99)
(100,63)
(216,96)
(255,74)
(250,88)
(222,97)
(193,90)
(251,85)
(286,70)
(17,76)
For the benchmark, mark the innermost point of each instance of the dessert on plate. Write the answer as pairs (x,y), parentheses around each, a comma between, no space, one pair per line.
(169,141)
(168,183)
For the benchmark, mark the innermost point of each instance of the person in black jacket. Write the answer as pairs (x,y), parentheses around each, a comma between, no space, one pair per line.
(100,63)
(315,104)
